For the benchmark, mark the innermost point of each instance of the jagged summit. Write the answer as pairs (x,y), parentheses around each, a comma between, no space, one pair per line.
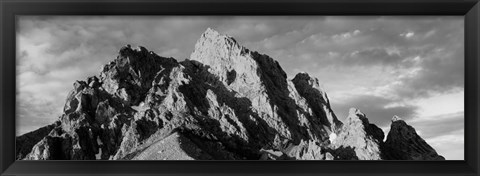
(306,77)
(129,47)
(224,57)
(313,82)
(354,112)
(213,46)
(225,102)
(396,118)
(213,34)
(364,138)
(403,143)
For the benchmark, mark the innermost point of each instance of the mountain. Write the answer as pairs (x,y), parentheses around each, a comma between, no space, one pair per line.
(224,103)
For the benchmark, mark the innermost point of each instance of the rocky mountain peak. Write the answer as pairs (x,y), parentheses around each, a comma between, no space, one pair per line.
(311,81)
(364,138)
(396,118)
(131,74)
(261,80)
(403,143)
(212,34)
(307,80)
(354,113)
(225,103)
(214,47)
(225,58)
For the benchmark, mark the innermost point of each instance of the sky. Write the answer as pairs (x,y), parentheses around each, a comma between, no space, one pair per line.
(412,67)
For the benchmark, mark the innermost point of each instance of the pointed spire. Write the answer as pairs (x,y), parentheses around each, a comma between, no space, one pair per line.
(355,111)
(213,46)
(210,32)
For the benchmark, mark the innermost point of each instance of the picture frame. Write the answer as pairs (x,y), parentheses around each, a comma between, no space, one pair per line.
(10,9)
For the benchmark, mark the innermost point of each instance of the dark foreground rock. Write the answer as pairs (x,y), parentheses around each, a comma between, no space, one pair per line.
(403,143)
(25,142)
(225,103)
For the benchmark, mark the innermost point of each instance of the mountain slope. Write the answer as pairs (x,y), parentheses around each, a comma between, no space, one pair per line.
(403,143)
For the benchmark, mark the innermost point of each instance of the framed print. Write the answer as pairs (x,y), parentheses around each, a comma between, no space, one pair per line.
(235,88)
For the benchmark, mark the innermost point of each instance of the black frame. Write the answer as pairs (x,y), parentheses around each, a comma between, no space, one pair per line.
(9,9)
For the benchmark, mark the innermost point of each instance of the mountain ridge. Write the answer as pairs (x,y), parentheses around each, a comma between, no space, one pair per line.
(225,103)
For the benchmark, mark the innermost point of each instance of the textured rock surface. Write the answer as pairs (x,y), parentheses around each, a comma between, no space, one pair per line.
(359,134)
(403,143)
(26,142)
(225,102)
(99,112)
(173,147)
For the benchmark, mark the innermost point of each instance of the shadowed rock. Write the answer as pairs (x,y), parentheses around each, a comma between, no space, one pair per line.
(26,141)
(403,143)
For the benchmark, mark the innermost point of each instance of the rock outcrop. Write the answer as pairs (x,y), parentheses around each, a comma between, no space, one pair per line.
(403,143)
(225,102)
(357,133)
(25,143)
(99,112)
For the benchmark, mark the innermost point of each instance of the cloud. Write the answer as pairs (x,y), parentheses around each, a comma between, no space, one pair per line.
(285,40)
(346,35)
(439,104)
(442,71)
(442,124)
(451,146)
(34,112)
(445,133)
(371,56)
(407,34)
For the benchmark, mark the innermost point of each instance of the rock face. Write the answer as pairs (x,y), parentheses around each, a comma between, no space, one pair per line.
(403,143)
(225,102)
(25,142)
(359,134)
